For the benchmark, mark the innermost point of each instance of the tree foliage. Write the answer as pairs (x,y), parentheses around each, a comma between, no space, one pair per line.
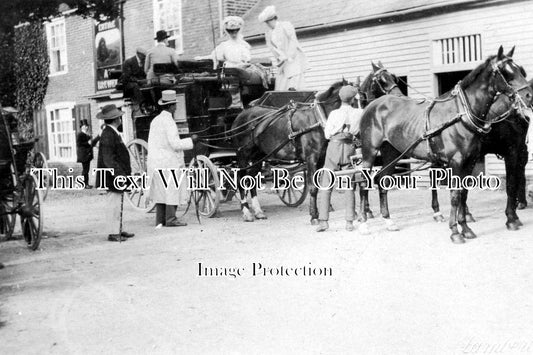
(31,67)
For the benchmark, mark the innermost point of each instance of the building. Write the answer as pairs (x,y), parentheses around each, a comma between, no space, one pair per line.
(82,52)
(431,44)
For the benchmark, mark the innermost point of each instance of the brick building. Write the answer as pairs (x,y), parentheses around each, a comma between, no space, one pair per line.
(72,92)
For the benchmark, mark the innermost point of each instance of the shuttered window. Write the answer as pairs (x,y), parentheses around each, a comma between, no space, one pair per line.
(457,50)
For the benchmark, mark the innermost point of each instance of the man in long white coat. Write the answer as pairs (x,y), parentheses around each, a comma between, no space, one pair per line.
(282,41)
(165,149)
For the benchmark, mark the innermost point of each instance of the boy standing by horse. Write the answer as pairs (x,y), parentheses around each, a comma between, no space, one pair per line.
(341,127)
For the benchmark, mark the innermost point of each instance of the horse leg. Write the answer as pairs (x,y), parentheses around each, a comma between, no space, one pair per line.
(468,215)
(463,211)
(313,190)
(456,237)
(363,192)
(388,154)
(258,211)
(512,178)
(437,215)
(245,208)
(521,184)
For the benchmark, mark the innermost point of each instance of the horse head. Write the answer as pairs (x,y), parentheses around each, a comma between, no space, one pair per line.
(378,83)
(330,99)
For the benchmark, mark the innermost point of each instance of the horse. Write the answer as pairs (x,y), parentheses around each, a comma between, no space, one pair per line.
(261,133)
(507,139)
(451,127)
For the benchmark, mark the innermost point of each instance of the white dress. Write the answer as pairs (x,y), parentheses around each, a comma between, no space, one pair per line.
(233,52)
(284,46)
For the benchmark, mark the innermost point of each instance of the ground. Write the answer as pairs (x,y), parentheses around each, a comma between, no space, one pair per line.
(411,291)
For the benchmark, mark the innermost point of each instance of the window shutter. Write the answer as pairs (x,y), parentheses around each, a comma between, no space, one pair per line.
(41,132)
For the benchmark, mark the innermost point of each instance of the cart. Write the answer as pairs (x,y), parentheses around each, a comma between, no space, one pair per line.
(18,186)
(205,108)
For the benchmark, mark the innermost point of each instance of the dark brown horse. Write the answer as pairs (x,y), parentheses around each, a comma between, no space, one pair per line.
(446,131)
(508,140)
(261,133)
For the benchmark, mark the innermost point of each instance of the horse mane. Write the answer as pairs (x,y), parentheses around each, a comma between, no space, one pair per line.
(472,76)
(365,86)
(321,96)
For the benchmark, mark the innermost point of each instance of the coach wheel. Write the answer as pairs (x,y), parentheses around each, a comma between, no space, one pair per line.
(40,162)
(292,197)
(31,213)
(207,197)
(138,198)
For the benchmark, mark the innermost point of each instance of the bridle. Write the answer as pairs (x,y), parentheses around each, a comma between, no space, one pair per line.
(376,78)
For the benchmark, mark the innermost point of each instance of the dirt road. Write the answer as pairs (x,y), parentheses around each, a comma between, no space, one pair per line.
(411,291)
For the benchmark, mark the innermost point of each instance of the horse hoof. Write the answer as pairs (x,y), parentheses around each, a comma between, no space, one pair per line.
(512,226)
(457,238)
(438,217)
(519,222)
(391,225)
(469,218)
(369,215)
(363,229)
(260,215)
(314,221)
(521,205)
(469,235)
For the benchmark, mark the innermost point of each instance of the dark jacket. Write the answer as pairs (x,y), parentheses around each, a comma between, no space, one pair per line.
(131,71)
(112,154)
(84,147)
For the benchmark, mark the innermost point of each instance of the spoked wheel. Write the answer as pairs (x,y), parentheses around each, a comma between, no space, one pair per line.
(208,199)
(31,213)
(40,162)
(138,156)
(7,205)
(294,197)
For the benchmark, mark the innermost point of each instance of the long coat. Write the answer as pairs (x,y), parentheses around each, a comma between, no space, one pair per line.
(165,151)
(284,45)
(84,147)
(132,70)
(112,154)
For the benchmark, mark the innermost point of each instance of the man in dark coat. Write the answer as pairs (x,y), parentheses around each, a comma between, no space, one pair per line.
(113,154)
(84,150)
(133,77)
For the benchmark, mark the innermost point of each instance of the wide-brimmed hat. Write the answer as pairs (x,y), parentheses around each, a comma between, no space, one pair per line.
(233,23)
(268,14)
(161,35)
(109,112)
(168,97)
(347,92)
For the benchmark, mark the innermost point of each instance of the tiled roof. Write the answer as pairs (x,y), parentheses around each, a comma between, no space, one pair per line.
(309,13)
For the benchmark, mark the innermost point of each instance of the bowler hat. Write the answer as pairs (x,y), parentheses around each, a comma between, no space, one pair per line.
(109,112)
(161,35)
(168,97)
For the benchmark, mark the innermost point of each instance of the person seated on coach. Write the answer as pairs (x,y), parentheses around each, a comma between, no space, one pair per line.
(133,77)
(160,54)
(341,127)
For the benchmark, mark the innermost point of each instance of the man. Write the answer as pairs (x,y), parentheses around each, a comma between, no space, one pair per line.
(133,77)
(113,154)
(282,42)
(160,54)
(84,150)
(166,152)
(342,125)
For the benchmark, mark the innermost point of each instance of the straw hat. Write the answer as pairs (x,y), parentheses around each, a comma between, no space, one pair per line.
(233,23)
(168,97)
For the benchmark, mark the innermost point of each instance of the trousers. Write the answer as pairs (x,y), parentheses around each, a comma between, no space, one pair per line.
(165,214)
(114,201)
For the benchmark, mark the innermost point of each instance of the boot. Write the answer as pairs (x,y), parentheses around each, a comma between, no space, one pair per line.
(322,226)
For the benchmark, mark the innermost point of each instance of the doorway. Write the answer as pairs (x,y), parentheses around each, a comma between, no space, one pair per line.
(446,81)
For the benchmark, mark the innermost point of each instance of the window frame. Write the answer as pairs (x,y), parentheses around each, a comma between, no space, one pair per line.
(67,105)
(157,22)
(56,22)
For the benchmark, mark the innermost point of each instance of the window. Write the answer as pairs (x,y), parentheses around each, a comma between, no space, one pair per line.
(61,134)
(57,46)
(167,16)
(455,50)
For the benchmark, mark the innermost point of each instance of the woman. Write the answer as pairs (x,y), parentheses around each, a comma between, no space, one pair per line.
(235,51)
(290,59)
(166,152)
